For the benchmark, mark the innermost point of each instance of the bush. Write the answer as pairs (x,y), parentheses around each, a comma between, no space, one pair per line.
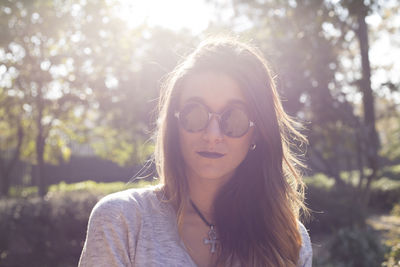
(320,180)
(392,172)
(384,194)
(393,257)
(355,247)
(332,209)
(396,210)
(49,231)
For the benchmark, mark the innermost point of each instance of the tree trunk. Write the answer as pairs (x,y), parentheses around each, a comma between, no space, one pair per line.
(368,104)
(40,160)
(5,182)
(40,142)
(6,169)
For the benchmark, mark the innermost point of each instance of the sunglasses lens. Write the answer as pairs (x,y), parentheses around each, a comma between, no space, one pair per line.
(234,122)
(193,117)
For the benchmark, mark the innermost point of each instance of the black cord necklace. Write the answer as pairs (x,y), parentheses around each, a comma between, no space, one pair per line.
(212,234)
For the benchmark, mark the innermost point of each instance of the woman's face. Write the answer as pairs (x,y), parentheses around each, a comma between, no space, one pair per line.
(208,153)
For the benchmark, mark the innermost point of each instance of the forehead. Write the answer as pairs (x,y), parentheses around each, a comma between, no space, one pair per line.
(216,90)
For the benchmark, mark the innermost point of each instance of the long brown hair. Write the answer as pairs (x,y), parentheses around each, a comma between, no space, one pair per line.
(257,211)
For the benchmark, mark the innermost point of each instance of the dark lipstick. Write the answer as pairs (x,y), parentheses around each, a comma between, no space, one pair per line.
(212,155)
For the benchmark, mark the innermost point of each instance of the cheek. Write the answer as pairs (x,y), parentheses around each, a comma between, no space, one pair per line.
(185,141)
(241,147)
(240,150)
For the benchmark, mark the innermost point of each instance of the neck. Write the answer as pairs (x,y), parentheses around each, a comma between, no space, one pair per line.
(203,191)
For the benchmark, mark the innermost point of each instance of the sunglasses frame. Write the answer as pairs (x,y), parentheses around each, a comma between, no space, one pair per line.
(218,117)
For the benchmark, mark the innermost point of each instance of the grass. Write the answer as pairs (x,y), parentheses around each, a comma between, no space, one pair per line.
(388,227)
(88,186)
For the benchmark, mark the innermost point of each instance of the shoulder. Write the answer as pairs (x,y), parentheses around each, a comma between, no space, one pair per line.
(114,226)
(305,257)
(130,203)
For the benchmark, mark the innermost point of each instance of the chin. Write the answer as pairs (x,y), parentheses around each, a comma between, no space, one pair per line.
(215,175)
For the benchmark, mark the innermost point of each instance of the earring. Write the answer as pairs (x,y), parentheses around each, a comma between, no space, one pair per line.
(253,146)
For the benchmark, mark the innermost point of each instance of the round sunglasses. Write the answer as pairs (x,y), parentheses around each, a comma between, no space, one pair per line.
(233,121)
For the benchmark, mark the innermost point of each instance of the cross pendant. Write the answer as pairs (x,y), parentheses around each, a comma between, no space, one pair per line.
(212,239)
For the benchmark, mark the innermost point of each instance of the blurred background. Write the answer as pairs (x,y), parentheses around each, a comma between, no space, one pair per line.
(79,84)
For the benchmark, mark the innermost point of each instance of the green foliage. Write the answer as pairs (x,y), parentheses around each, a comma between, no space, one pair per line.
(50,231)
(23,191)
(336,211)
(333,209)
(391,172)
(353,247)
(393,256)
(384,194)
(396,209)
(91,187)
(86,80)
(97,188)
(341,132)
(36,232)
(112,146)
(389,130)
(319,180)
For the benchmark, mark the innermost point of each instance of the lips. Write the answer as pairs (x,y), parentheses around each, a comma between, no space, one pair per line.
(211,155)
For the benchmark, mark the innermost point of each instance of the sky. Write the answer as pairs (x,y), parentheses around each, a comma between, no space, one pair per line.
(384,54)
(173,14)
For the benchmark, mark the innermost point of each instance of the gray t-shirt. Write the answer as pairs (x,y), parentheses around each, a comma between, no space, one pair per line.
(133,228)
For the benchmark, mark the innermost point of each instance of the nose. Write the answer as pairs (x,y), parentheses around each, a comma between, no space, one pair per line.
(213,130)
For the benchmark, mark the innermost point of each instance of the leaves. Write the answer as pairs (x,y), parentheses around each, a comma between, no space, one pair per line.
(71,72)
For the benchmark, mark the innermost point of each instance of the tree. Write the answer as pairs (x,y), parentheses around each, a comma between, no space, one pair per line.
(293,36)
(41,82)
(81,76)
(359,10)
(11,127)
(309,42)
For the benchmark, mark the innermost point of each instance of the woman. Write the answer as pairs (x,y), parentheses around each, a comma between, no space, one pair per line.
(230,192)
